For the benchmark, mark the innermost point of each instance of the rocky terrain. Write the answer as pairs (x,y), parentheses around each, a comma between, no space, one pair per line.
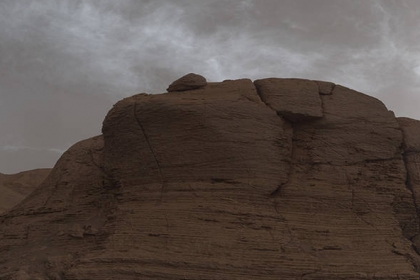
(15,187)
(271,179)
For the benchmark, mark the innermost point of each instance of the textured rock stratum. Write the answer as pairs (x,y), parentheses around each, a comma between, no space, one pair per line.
(272,179)
(15,187)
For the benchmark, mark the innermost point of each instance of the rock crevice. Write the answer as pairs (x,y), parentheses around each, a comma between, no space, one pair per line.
(150,147)
(411,154)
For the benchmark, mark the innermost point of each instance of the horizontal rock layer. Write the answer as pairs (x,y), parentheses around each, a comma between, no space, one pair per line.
(277,179)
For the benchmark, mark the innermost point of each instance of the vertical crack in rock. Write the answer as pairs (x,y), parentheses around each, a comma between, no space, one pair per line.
(353,208)
(277,191)
(107,179)
(322,99)
(97,165)
(333,88)
(409,186)
(292,152)
(150,147)
(409,150)
(263,99)
(52,192)
(408,182)
(325,88)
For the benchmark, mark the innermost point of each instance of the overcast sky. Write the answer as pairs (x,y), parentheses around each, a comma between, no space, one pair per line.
(64,63)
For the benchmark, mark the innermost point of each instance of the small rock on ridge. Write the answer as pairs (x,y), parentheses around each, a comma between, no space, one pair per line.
(188,82)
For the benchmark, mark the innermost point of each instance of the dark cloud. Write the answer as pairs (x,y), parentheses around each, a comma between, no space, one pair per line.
(64,63)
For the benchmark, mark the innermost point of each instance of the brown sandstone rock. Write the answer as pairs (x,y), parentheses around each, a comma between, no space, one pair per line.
(188,82)
(15,187)
(297,100)
(411,147)
(212,183)
(411,131)
(177,137)
(325,88)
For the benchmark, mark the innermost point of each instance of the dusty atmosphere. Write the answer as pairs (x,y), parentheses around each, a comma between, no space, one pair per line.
(64,63)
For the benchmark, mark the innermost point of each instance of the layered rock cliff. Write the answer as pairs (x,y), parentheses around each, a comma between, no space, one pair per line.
(15,187)
(271,179)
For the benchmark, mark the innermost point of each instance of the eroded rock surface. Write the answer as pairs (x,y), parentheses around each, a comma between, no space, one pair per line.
(188,82)
(411,146)
(325,88)
(15,187)
(217,183)
(296,100)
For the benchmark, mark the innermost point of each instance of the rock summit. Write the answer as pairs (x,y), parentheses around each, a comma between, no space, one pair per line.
(188,82)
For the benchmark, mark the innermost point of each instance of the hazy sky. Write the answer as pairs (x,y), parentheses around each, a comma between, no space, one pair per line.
(64,63)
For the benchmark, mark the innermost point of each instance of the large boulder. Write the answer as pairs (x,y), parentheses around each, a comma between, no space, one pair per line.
(188,82)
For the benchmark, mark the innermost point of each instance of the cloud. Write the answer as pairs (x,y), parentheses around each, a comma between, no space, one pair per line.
(144,45)
(63,63)
(11,148)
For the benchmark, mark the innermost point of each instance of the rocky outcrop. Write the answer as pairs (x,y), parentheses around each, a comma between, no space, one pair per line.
(188,82)
(234,180)
(15,187)
(411,147)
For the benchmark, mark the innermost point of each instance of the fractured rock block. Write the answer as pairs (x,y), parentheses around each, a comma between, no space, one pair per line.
(325,88)
(411,132)
(296,100)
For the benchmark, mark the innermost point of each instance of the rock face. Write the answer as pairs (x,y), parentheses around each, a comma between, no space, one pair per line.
(411,145)
(234,180)
(15,187)
(296,100)
(188,82)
